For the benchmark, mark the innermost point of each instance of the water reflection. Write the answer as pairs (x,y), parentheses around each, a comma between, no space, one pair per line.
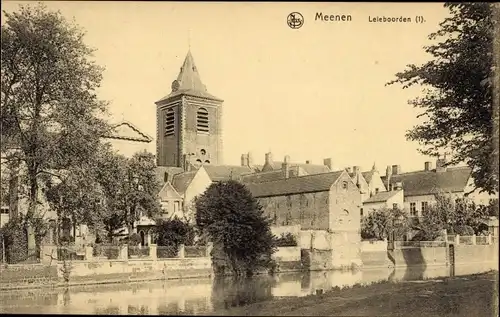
(195,296)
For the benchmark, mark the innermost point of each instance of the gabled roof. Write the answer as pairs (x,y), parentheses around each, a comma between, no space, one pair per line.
(452,180)
(189,82)
(368,176)
(181,181)
(295,185)
(170,170)
(381,196)
(168,192)
(219,173)
(127,131)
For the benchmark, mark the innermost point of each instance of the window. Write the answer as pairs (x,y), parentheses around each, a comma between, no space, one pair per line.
(361,212)
(425,205)
(203,152)
(344,185)
(413,209)
(170,122)
(394,206)
(4,210)
(207,162)
(176,207)
(202,120)
(376,190)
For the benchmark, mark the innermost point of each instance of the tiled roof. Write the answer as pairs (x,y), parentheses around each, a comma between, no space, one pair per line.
(171,170)
(189,82)
(368,176)
(262,177)
(431,182)
(295,185)
(219,173)
(381,196)
(181,181)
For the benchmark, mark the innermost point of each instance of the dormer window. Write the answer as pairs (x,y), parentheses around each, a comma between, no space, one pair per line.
(202,121)
(170,122)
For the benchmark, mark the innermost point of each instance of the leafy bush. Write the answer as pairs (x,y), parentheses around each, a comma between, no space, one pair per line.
(174,232)
(134,239)
(235,222)
(286,240)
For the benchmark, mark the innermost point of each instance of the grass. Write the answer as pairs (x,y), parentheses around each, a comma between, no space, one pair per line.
(467,296)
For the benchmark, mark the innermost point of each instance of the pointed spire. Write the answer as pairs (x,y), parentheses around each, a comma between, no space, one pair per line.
(189,78)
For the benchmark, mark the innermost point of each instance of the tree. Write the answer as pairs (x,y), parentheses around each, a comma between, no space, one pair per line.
(131,188)
(461,217)
(49,107)
(458,100)
(235,222)
(381,224)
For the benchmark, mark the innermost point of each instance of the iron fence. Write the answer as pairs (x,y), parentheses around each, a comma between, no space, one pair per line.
(195,251)
(138,251)
(108,251)
(166,252)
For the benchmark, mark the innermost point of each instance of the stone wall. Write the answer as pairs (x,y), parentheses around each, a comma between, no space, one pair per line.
(476,253)
(115,270)
(14,276)
(287,254)
(309,210)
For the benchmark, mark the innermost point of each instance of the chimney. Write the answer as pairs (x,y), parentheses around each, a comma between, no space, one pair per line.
(187,165)
(388,174)
(348,169)
(355,169)
(396,169)
(285,167)
(244,160)
(249,159)
(328,163)
(308,162)
(165,177)
(269,158)
(428,166)
(441,165)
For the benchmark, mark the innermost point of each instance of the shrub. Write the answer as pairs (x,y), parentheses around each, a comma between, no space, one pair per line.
(286,240)
(235,222)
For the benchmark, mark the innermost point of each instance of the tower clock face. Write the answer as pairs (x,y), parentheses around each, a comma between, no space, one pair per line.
(175,85)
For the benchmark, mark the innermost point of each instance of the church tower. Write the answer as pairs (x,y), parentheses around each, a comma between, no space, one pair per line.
(188,122)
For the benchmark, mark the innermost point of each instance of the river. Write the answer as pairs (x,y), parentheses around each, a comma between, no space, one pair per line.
(195,296)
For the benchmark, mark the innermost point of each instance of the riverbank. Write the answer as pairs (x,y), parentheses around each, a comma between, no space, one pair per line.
(469,295)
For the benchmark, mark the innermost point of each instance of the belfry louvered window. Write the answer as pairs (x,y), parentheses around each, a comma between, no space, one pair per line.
(170,122)
(202,120)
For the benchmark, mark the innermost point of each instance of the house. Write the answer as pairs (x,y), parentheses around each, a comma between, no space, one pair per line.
(390,200)
(272,170)
(421,187)
(326,203)
(360,181)
(126,139)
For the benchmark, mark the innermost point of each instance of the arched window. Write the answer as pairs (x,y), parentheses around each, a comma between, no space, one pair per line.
(202,120)
(207,162)
(170,122)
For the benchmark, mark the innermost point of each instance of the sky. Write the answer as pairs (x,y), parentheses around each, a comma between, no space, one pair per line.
(311,93)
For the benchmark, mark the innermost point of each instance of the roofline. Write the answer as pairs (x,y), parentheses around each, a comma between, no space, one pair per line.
(434,193)
(303,192)
(170,184)
(183,94)
(431,171)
